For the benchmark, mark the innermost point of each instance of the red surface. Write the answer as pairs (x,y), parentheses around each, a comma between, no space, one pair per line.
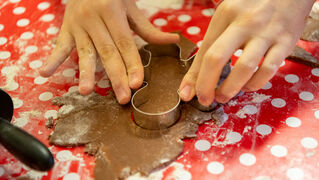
(300,159)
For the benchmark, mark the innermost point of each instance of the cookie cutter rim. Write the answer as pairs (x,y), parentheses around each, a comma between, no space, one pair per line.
(165,119)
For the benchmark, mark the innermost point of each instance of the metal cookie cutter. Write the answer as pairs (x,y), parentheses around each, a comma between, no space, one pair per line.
(160,120)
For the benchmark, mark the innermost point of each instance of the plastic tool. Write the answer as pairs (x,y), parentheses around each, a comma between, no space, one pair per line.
(19,143)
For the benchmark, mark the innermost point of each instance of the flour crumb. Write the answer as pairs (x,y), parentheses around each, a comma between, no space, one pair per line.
(40,132)
(259,98)
(10,73)
(219,116)
(247,129)
(232,103)
(65,109)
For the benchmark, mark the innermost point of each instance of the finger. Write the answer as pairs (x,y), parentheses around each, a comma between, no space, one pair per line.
(243,70)
(141,26)
(111,59)
(87,61)
(217,26)
(268,68)
(214,60)
(119,29)
(64,46)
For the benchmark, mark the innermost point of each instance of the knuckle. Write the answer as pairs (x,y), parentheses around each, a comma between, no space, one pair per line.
(107,50)
(214,57)
(269,69)
(246,67)
(124,44)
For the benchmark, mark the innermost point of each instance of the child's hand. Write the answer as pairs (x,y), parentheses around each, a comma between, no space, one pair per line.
(102,27)
(267,28)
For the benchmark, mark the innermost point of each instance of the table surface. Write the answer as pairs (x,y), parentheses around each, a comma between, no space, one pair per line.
(270,134)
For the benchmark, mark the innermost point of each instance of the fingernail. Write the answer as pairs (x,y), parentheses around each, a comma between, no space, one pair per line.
(203,100)
(186,91)
(221,99)
(134,80)
(121,95)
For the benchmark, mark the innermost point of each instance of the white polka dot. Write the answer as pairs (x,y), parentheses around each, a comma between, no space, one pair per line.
(35,64)
(17,103)
(52,30)
(317,114)
(283,63)
(293,122)
(295,174)
(247,159)
(315,72)
(23,22)
(233,137)
(51,113)
(309,142)
(202,145)
(1,27)
(238,52)
(45,96)
(18,10)
(31,49)
(263,129)
(47,17)
(40,80)
(184,18)
(199,43)
(26,35)
(71,176)
(208,12)
(104,83)
(306,96)
(278,103)
(68,72)
(291,78)
(160,22)
(14,1)
(64,155)
(21,122)
(3,40)
(215,167)
(193,30)
(250,109)
(268,85)
(43,5)
(278,151)
(4,55)
(64,1)
(73,89)
(1,171)
(13,86)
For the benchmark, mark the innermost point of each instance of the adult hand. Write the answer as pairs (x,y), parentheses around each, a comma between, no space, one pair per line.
(267,28)
(102,27)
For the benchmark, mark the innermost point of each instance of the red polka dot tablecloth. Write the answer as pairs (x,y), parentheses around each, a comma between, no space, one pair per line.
(269,134)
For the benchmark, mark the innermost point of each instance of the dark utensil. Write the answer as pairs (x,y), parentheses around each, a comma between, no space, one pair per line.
(19,143)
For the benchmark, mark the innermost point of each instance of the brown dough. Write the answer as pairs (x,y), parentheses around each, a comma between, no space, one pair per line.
(300,55)
(107,130)
(311,31)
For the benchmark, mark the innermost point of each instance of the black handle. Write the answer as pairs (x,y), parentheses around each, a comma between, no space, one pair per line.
(25,147)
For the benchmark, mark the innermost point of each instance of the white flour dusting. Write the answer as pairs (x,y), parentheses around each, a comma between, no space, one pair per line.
(315,11)
(10,72)
(152,7)
(259,98)
(65,109)
(179,173)
(23,118)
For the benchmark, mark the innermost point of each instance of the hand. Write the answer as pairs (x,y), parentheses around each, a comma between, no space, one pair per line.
(102,27)
(269,28)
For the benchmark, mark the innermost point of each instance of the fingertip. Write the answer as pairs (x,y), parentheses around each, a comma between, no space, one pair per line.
(44,72)
(186,92)
(136,80)
(85,88)
(123,95)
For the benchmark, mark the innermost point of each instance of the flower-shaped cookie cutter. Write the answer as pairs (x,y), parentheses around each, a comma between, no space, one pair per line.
(163,120)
